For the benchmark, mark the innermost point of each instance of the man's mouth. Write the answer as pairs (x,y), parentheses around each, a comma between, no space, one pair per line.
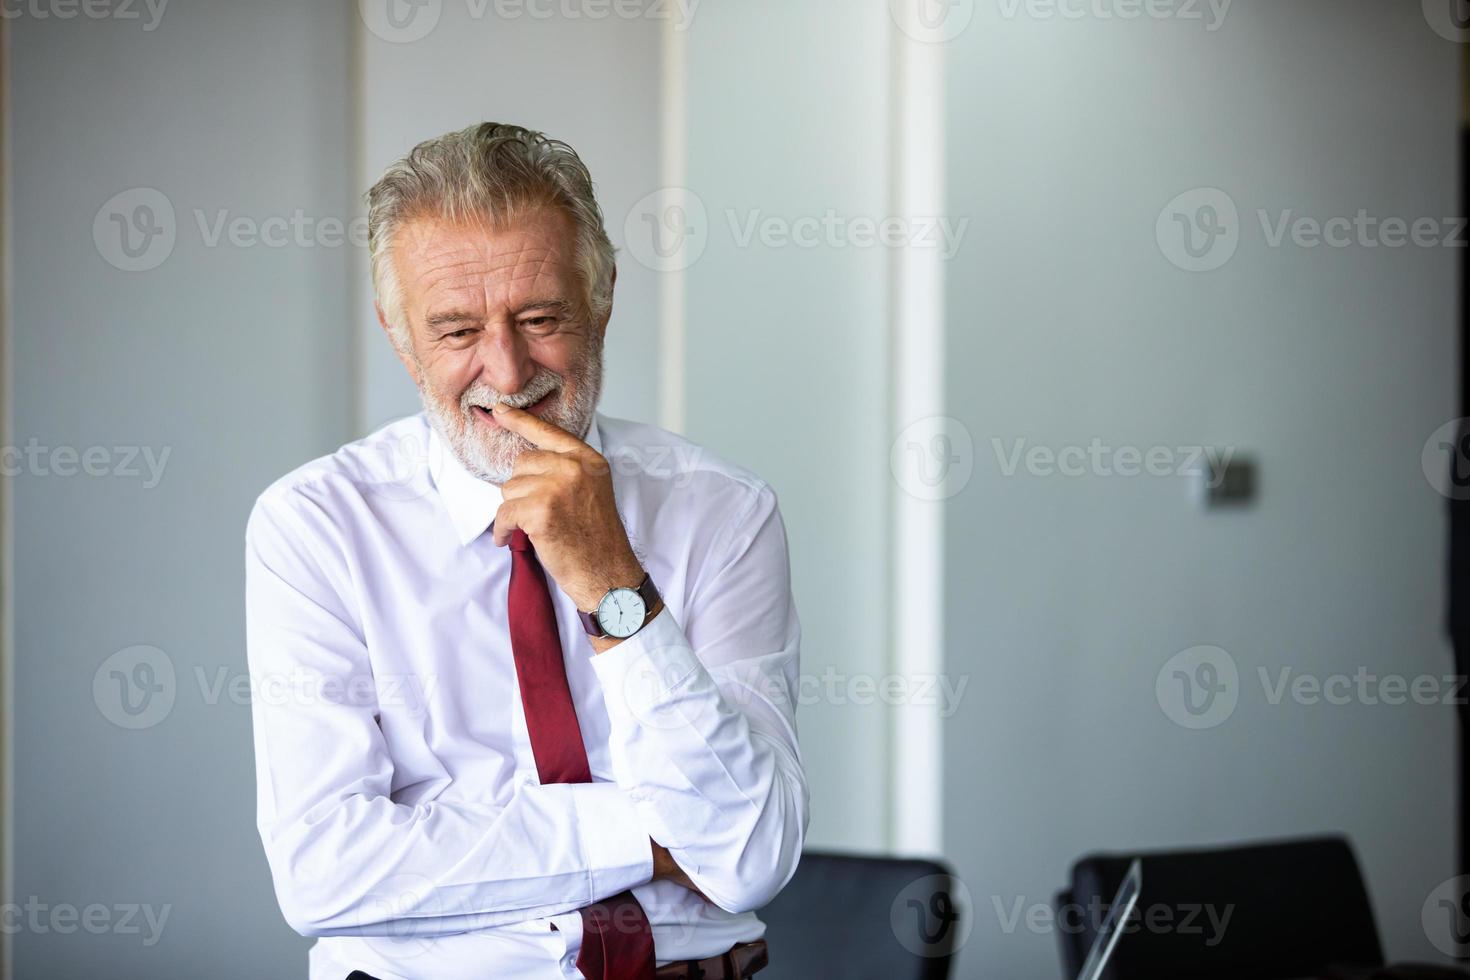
(484,415)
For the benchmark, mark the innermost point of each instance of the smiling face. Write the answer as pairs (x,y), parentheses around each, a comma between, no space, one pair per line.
(496,314)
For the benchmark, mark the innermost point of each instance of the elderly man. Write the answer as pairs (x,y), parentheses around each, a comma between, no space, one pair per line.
(535,696)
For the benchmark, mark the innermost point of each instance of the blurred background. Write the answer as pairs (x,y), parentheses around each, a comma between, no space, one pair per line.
(1105,356)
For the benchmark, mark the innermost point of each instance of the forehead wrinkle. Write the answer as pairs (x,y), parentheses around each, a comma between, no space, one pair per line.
(523,263)
(480,271)
(531,270)
(533,267)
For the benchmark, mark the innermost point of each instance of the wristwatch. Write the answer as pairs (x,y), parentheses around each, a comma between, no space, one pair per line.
(621,612)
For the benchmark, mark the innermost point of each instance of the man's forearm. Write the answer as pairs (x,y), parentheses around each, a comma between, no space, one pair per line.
(728,801)
(369,867)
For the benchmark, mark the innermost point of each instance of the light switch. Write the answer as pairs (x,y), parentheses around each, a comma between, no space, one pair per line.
(1229,480)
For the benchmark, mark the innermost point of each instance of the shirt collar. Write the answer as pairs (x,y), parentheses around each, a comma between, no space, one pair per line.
(471,501)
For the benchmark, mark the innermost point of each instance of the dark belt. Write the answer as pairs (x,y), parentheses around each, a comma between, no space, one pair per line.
(740,962)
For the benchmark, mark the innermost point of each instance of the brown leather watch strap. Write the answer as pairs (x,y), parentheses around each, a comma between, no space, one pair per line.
(650,596)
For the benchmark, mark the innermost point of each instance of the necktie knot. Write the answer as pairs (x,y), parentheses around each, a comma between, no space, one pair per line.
(519,541)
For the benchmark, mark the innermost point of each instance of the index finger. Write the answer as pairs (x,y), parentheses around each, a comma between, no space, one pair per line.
(539,432)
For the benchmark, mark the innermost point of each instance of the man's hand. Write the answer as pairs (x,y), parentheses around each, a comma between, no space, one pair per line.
(561,495)
(665,868)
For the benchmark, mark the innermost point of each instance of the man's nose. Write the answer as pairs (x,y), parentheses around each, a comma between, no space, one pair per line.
(505,361)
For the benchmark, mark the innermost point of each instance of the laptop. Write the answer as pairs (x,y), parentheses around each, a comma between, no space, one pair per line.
(1111,929)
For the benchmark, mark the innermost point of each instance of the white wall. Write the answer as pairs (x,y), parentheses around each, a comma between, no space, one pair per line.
(230,358)
(787,345)
(1332,366)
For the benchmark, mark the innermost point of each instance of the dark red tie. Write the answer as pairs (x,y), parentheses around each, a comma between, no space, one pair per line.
(617,941)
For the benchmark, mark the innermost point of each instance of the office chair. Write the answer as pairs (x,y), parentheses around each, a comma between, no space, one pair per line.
(1295,907)
(862,918)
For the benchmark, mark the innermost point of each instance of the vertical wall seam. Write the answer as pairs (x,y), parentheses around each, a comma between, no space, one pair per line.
(916,348)
(674,172)
(7,516)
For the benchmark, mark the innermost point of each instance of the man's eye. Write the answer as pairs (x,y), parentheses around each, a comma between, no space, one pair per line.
(539,324)
(460,333)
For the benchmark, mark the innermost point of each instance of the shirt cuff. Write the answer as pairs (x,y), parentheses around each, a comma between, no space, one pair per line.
(615,845)
(641,673)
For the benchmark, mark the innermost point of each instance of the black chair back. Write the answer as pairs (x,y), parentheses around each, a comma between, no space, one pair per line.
(862,918)
(1272,911)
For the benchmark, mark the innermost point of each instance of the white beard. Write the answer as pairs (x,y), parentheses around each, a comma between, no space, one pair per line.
(491,455)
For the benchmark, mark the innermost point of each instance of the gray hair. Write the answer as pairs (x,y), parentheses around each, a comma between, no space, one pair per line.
(489,172)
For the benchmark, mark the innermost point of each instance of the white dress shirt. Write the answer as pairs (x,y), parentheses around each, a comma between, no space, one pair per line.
(397,794)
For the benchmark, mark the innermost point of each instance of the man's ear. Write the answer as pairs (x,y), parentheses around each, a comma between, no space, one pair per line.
(405,354)
(602,327)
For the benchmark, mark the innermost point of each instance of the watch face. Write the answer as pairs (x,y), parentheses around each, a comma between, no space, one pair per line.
(621,613)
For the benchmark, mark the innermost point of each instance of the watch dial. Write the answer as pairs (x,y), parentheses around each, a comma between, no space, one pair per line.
(621,613)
